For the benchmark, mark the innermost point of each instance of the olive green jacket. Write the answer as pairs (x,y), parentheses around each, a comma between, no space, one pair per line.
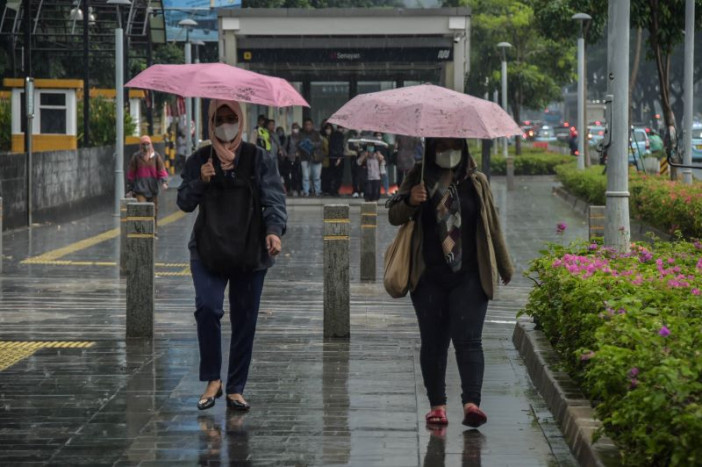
(493,257)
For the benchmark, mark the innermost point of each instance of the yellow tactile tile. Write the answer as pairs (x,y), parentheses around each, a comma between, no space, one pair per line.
(12,352)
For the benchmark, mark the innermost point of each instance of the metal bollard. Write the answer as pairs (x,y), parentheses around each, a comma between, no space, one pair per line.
(1,235)
(595,221)
(369,221)
(123,234)
(140,270)
(337,305)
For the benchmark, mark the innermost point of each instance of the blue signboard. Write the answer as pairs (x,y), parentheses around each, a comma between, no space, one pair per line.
(204,12)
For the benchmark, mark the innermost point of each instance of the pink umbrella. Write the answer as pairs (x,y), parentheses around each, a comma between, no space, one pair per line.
(218,81)
(426,110)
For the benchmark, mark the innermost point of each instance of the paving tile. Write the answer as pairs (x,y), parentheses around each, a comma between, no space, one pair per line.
(315,402)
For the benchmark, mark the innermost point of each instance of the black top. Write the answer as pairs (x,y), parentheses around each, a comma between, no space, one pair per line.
(436,265)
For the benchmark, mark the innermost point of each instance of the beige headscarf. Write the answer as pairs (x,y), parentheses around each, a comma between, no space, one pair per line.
(149,152)
(226,152)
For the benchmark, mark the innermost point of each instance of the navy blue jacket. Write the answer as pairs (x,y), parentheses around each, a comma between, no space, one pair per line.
(271,192)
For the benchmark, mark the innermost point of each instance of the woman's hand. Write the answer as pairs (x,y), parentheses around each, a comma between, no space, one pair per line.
(207,171)
(273,245)
(418,195)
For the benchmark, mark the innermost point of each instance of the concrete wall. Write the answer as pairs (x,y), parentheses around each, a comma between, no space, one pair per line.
(66,184)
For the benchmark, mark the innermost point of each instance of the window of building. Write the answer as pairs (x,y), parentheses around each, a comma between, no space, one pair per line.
(52,112)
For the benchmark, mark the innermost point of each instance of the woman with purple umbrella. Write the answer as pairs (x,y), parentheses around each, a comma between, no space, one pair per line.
(461,252)
(241,219)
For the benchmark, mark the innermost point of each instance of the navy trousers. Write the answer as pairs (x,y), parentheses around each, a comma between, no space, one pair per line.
(244,300)
(451,310)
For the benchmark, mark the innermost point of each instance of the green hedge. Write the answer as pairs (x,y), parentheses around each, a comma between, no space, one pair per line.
(103,123)
(628,330)
(533,162)
(655,200)
(5,125)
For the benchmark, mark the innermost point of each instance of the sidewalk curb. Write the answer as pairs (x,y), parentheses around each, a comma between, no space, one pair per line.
(638,229)
(572,411)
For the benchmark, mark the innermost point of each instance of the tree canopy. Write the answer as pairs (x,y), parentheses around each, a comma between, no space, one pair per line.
(538,66)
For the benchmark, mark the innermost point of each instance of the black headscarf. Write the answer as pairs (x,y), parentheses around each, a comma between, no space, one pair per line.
(443,195)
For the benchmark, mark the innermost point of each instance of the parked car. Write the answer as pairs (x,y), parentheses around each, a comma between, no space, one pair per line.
(545,134)
(697,143)
(595,134)
(639,146)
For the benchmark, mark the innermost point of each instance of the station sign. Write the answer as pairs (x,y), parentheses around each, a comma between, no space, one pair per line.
(397,54)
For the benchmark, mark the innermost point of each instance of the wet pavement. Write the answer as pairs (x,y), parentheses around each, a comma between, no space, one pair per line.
(74,391)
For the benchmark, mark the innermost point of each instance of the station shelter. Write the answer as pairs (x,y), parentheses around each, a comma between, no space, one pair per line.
(56,102)
(333,54)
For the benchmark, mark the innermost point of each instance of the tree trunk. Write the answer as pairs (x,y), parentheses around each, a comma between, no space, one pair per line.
(586,146)
(663,68)
(516,108)
(635,68)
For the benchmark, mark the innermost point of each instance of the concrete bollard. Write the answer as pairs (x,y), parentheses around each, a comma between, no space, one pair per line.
(140,270)
(369,221)
(337,304)
(123,234)
(510,173)
(595,221)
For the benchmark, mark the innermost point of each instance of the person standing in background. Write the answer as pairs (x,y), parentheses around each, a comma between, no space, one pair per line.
(293,181)
(146,174)
(406,147)
(336,160)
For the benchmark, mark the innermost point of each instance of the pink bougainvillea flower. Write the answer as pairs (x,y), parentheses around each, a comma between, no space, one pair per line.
(634,372)
(664,331)
(561,227)
(633,383)
(592,247)
(696,291)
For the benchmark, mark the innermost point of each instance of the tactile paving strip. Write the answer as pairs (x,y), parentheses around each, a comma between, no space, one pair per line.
(12,352)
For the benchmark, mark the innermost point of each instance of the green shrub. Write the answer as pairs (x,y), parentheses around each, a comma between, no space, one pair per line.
(670,206)
(628,329)
(103,131)
(534,162)
(5,125)
(589,184)
(664,204)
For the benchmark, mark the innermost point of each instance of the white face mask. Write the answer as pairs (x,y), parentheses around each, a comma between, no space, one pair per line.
(227,131)
(448,159)
(295,131)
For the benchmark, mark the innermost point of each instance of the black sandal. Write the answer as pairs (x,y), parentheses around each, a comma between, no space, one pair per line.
(204,404)
(238,406)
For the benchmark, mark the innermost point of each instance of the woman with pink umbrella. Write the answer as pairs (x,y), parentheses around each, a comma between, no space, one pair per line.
(241,219)
(461,252)
(457,248)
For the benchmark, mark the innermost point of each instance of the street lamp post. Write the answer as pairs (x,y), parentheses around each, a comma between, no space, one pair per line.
(510,162)
(581,18)
(687,88)
(198,101)
(617,226)
(188,24)
(119,102)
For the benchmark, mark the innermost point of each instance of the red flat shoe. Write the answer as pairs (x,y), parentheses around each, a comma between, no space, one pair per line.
(474,417)
(436,417)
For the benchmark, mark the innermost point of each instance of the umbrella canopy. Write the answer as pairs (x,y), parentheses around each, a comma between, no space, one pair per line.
(426,110)
(218,81)
(376,142)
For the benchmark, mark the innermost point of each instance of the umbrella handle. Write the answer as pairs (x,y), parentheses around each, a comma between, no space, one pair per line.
(421,180)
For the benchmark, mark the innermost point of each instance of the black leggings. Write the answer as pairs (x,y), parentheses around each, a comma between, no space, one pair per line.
(452,310)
